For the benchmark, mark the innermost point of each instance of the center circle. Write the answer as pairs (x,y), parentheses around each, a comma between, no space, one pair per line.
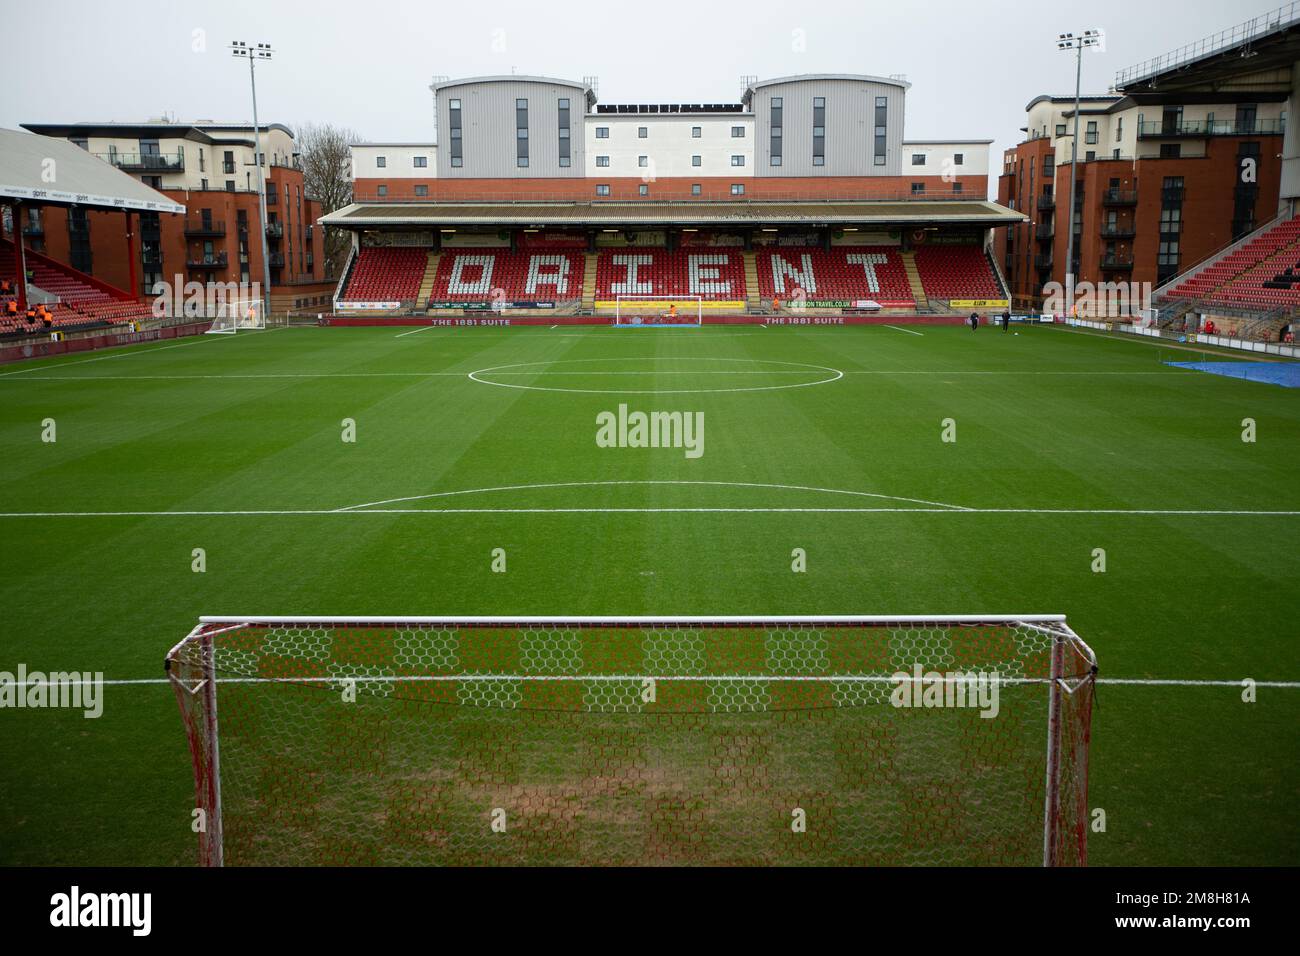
(819,375)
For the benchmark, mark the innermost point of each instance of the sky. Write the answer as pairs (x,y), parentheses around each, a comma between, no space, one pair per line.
(367,65)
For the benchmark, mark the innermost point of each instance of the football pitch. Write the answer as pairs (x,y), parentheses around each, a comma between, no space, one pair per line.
(826,471)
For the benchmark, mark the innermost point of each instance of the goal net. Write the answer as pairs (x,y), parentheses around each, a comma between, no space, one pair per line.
(785,741)
(658,310)
(239,315)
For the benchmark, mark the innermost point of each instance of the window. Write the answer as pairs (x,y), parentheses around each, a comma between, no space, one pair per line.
(642,132)
(696,132)
(602,132)
(695,189)
(956,188)
(918,159)
(383,190)
(1091,137)
(421,162)
(644,189)
(918,189)
(737,160)
(457,141)
(882,129)
(521,133)
(1090,156)
(737,189)
(1119,128)
(602,190)
(778,132)
(602,161)
(643,161)
(737,132)
(1171,150)
(420,190)
(1060,130)
(381,162)
(959,159)
(697,160)
(566,156)
(819,131)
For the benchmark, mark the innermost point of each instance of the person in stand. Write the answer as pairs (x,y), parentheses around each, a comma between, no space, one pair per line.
(1006,320)
(974,321)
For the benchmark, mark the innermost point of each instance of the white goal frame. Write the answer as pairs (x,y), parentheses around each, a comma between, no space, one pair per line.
(628,315)
(191,668)
(244,315)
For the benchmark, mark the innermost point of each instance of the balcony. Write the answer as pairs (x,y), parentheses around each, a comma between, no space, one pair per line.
(146,162)
(1043,263)
(34,229)
(1118,231)
(1173,194)
(274,230)
(150,232)
(1045,231)
(213,261)
(1184,129)
(204,228)
(1117,262)
(277,260)
(1046,203)
(1119,197)
(78,230)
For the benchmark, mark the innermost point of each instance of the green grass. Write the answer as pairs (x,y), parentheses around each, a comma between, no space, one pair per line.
(1046,420)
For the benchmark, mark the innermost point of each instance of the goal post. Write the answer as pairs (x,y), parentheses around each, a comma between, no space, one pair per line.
(632,741)
(658,311)
(238,315)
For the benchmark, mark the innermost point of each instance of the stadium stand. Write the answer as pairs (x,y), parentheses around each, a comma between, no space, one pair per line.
(719,274)
(386,274)
(1263,274)
(957,272)
(844,274)
(474,275)
(82,300)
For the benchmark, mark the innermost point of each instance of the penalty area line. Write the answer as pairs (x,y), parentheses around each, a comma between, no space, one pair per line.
(908,331)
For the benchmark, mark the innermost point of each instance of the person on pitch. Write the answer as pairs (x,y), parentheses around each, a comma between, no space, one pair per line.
(974,321)
(1006,320)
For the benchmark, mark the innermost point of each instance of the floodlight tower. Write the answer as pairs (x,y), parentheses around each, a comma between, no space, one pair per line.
(253,53)
(1089,39)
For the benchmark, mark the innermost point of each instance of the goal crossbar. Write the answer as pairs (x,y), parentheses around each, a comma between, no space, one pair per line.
(612,740)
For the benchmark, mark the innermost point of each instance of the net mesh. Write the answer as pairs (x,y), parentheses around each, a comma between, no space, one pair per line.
(634,744)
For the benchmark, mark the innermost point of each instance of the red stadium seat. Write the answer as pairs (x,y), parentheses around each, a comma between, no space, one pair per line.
(713,274)
(381,274)
(488,275)
(957,272)
(844,274)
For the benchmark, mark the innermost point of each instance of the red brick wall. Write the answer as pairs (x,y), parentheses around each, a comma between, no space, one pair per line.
(1208,209)
(109,246)
(712,188)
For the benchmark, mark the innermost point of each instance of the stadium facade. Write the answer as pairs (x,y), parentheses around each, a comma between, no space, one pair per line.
(209,168)
(1191,158)
(534,195)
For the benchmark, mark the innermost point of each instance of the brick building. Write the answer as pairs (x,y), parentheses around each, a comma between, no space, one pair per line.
(208,168)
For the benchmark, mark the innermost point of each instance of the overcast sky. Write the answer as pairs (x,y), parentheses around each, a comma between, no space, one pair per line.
(367,65)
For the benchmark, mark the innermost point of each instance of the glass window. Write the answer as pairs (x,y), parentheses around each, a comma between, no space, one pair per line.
(421,162)
(695,189)
(602,161)
(737,189)
(643,161)
(697,160)
(602,190)
(737,132)
(602,132)
(738,160)
(644,189)
(420,190)
(918,159)
(381,161)
(696,132)
(642,132)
